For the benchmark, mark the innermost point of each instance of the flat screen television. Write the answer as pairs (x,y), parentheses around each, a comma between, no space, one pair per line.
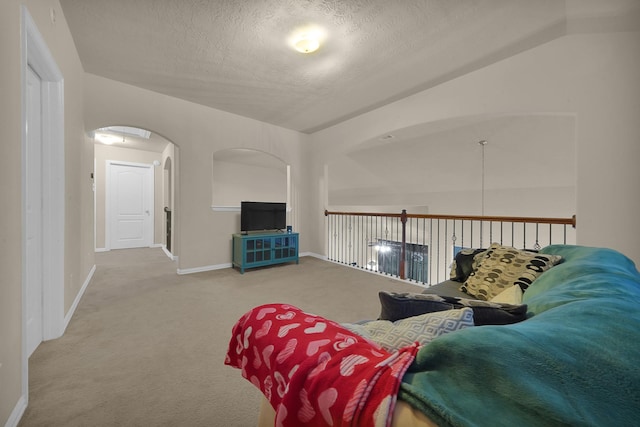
(260,216)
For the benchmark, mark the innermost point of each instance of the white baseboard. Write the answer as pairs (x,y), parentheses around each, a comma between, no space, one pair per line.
(76,301)
(229,265)
(17,412)
(169,254)
(182,271)
(315,255)
(101,250)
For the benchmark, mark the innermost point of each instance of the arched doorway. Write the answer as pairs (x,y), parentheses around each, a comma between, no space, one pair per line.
(121,152)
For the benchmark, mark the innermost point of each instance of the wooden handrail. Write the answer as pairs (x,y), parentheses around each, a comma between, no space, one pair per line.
(535,220)
(391,215)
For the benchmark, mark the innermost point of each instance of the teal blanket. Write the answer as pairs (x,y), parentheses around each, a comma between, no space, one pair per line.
(575,361)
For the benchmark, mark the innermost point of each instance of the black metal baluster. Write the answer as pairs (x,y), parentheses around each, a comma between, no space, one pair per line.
(431,250)
(490,232)
(513,232)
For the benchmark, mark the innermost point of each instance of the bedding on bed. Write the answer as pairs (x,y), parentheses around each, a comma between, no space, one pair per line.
(313,371)
(574,361)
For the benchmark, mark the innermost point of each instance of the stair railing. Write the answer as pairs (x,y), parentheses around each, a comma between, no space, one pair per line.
(420,248)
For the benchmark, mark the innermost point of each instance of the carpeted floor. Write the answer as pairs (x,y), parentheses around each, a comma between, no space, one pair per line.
(146,346)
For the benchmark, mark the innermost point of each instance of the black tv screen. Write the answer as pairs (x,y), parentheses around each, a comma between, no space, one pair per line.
(256,216)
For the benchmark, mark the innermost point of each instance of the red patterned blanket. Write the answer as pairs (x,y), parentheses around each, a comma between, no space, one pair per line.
(313,371)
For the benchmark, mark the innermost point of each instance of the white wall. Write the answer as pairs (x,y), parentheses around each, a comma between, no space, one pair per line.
(203,237)
(533,155)
(234,182)
(78,203)
(11,220)
(592,77)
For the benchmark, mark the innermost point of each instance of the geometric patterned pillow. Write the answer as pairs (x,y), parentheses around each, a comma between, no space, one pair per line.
(504,266)
(424,328)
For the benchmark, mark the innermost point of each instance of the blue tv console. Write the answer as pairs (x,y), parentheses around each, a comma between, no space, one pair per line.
(261,249)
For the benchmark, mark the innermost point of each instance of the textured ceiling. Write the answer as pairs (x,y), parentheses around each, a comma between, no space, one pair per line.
(234,55)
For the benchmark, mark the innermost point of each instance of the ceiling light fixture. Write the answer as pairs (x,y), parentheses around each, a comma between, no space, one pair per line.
(106,139)
(306,44)
(126,130)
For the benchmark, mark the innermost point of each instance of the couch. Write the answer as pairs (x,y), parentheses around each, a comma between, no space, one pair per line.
(571,360)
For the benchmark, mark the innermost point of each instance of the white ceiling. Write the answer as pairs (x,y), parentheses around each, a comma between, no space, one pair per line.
(234,55)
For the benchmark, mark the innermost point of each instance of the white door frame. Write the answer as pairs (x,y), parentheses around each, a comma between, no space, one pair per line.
(32,225)
(108,207)
(35,54)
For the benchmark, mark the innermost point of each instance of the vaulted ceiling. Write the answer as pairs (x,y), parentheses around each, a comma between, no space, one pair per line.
(236,55)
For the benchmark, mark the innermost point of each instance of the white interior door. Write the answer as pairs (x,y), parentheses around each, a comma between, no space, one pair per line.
(130,205)
(34,213)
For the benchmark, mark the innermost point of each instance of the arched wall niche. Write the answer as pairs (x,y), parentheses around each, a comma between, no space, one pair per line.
(247,174)
(526,168)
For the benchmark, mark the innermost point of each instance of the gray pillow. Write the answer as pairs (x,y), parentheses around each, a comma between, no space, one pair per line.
(396,306)
(463,264)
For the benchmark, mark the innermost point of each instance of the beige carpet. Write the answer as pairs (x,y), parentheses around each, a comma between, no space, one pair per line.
(146,346)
